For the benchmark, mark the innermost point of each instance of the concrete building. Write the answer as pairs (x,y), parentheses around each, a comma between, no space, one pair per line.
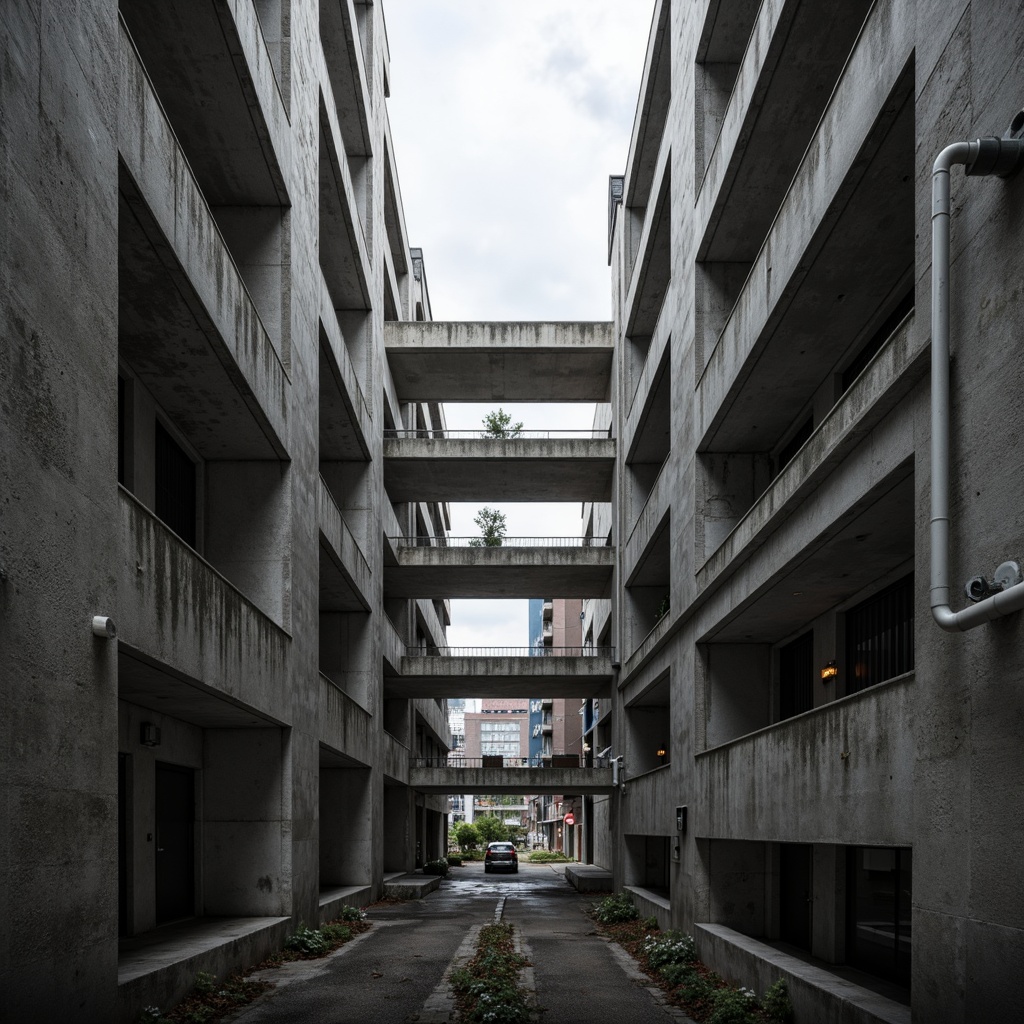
(203,237)
(819,781)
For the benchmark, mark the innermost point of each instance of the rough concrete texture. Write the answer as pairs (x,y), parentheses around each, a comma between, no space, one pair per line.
(793,300)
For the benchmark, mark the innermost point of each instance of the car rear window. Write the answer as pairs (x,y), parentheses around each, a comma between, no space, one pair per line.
(502,847)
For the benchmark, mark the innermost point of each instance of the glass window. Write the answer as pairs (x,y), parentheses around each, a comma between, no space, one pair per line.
(879,894)
(880,636)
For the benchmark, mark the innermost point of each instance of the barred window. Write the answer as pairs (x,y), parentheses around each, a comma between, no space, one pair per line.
(880,636)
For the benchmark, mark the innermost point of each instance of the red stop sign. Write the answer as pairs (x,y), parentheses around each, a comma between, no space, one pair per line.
(570,819)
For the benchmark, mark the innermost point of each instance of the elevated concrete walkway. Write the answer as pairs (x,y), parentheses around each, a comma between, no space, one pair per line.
(442,572)
(511,780)
(589,878)
(436,676)
(410,887)
(510,362)
(488,469)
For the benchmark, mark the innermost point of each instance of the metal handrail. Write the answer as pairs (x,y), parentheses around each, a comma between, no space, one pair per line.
(512,652)
(503,542)
(429,434)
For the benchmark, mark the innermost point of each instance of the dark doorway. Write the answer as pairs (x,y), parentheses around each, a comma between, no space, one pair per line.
(175,851)
(795,894)
(796,677)
(122,843)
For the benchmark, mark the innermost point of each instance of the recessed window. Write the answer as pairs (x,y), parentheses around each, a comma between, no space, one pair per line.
(175,486)
(880,636)
(796,676)
(879,890)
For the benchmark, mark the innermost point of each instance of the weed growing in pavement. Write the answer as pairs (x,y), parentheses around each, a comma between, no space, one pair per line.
(487,989)
(615,909)
(670,958)
(209,1001)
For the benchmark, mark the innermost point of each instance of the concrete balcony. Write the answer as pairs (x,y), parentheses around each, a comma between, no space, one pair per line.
(508,362)
(188,324)
(190,645)
(521,567)
(503,672)
(345,578)
(841,773)
(455,468)
(437,775)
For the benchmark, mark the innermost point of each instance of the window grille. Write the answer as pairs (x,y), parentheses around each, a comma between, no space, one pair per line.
(880,636)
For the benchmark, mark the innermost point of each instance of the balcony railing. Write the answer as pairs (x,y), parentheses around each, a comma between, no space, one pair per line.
(501,542)
(512,652)
(499,761)
(483,435)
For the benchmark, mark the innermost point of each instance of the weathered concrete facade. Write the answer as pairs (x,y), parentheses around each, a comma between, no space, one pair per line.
(203,238)
(852,830)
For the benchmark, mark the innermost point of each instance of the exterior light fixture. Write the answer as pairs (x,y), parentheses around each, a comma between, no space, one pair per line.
(149,735)
(661,751)
(829,672)
(104,627)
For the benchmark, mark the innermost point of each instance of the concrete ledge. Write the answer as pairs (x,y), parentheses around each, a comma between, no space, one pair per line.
(160,967)
(589,878)
(332,900)
(650,904)
(411,887)
(817,994)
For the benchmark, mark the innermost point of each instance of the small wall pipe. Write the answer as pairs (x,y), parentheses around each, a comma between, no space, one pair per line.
(1011,599)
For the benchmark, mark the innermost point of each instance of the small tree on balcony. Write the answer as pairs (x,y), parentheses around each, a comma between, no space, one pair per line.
(492,526)
(499,424)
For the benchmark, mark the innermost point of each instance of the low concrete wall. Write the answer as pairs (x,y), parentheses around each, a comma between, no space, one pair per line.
(650,905)
(817,995)
(172,975)
(587,878)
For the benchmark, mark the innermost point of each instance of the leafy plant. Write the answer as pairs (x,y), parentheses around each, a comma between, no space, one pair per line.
(436,867)
(205,982)
(492,528)
(352,914)
(733,1006)
(663,609)
(491,829)
(615,909)
(310,941)
(499,425)
(487,988)
(454,861)
(548,857)
(466,835)
(671,947)
(775,1004)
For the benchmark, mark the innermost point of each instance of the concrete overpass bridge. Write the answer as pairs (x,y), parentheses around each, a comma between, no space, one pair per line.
(468,775)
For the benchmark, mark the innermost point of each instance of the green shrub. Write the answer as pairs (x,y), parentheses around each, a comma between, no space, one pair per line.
(548,857)
(681,974)
(336,932)
(453,861)
(307,940)
(352,914)
(436,867)
(671,947)
(615,909)
(775,1004)
(733,1006)
(205,982)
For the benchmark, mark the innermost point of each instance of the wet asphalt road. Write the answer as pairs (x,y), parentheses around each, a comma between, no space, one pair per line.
(393,973)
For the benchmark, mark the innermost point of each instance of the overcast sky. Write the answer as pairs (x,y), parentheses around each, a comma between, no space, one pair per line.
(507,119)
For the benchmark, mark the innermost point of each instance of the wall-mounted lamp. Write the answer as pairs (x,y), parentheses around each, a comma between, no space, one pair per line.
(829,672)
(104,627)
(149,735)
(661,751)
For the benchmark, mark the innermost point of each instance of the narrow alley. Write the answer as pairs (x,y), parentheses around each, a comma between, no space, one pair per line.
(396,972)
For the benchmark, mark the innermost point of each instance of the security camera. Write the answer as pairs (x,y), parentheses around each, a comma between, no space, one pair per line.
(978,588)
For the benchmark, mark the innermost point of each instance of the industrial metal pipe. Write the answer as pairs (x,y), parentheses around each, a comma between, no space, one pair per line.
(980,157)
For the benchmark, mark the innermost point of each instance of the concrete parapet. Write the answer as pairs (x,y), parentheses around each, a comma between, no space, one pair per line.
(589,878)
(816,993)
(511,780)
(511,362)
(500,572)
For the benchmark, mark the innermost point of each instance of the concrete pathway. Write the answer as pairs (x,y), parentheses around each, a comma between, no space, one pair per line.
(397,972)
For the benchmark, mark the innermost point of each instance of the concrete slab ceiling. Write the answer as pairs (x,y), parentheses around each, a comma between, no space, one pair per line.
(509,362)
(176,350)
(432,676)
(420,469)
(145,683)
(466,572)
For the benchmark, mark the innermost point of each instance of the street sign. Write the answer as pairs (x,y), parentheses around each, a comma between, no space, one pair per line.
(570,819)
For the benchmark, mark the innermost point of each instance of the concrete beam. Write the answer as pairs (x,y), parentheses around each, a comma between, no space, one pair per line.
(443,469)
(500,572)
(510,362)
(435,676)
(511,780)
